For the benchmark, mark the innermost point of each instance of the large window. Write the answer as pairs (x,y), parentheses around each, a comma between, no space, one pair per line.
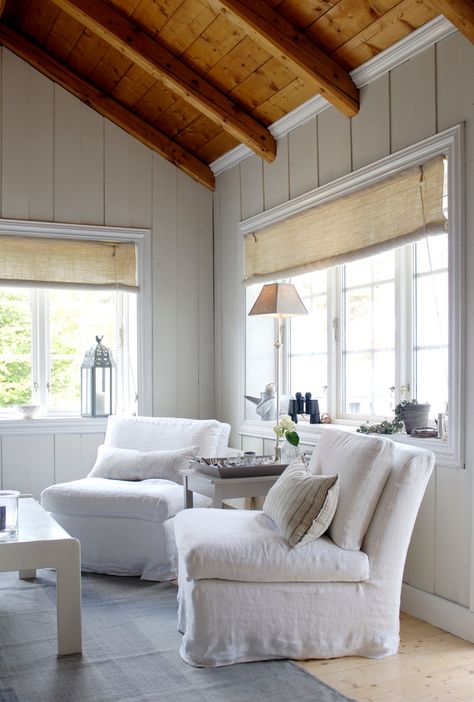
(44,335)
(381,324)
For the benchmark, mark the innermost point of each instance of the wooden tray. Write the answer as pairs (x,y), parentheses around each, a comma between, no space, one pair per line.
(216,468)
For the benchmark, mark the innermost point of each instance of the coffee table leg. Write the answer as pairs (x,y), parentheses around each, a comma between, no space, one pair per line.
(68,594)
(218,497)
(27,574)
(188,494)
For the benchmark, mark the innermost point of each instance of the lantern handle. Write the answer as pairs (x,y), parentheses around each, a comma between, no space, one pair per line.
(99,338)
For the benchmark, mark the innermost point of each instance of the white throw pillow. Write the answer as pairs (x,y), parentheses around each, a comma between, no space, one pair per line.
(127,464)
(363,464)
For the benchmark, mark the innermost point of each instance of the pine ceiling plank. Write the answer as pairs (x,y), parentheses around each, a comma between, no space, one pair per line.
(262,84)
(216,147)
(284,101)
(458,12)
(395,24)
(189,21)
(2,7)
(153,16)
(280,38)
(213,44)
(345,20)
(106,106)
(63,37)
(176,117)
(197,133)
(110,70)
(176,75)
(238,64)
(87,53)
(133,86)
(157,100)
(304,14)
(39,19)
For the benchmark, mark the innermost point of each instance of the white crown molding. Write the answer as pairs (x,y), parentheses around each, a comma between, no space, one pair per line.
(427,35)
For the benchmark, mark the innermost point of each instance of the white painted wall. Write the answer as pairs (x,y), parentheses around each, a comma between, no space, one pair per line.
(423,96)
(62,162)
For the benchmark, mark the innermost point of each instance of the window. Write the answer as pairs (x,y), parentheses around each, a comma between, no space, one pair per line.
(382,323)
(46,329)
(381,328)
(44,335)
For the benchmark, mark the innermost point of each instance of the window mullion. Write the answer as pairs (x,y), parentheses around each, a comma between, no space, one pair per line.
(44,364)
(334,317)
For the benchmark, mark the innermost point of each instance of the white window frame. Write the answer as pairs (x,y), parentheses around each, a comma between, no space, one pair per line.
(451,144)
(142,239)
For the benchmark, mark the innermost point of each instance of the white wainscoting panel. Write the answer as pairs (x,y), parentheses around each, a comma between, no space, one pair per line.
(28,463)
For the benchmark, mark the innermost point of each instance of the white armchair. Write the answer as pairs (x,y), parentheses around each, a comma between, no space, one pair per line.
(126,526)
(246,595)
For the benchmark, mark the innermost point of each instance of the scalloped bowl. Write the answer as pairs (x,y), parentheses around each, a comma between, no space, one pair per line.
(28,411)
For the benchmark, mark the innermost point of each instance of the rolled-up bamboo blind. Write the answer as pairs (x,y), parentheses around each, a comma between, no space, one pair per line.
(392,212)
(44,261)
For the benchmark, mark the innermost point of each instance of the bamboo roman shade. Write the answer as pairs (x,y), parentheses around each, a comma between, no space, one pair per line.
(44,261)
(392,212)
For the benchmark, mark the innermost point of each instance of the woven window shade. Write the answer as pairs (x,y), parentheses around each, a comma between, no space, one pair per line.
(48,262)
(393,212)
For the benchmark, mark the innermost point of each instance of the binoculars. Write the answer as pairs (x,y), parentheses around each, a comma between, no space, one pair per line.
(304,405)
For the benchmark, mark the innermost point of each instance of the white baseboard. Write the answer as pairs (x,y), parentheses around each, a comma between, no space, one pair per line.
(439,612)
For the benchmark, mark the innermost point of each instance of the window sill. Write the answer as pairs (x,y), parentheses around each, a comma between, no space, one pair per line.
(53,425)
(309,436)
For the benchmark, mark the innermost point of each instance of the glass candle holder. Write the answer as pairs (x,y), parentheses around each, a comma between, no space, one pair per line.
(8,514)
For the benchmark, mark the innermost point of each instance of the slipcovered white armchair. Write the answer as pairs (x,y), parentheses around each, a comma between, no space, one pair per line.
(122,513)
(245,594)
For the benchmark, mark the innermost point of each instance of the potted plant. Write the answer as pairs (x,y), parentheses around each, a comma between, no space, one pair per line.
(410,413)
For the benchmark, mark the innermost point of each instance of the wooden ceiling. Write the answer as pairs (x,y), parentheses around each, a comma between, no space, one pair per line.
(192,79)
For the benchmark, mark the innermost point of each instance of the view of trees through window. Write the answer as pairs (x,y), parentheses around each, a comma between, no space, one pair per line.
(43,337)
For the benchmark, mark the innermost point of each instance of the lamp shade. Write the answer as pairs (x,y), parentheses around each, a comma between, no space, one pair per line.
(278,300)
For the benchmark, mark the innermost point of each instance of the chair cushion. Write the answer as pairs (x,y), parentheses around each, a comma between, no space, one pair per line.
(363,464)
(302,504)
(150,500)
(160,433)
(245,545)
(127,464)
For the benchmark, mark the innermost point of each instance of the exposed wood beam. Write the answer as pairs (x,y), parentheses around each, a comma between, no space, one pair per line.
(107,106)
(2,6)
(139,48)
(282,40)
(458,12)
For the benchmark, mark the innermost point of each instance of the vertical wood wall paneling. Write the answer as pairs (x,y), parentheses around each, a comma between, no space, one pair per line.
(187,286)
(164,287)
(447,534)
(455,90)
(232,302)
(334,145)
(276,187)
(413,100)
(140,185)
(117,176)
(371,127)
(27,141)
(74,455)
(303,158)
(420,563)
(28,463)
(205,267)
(218,284)
(78,161)
(251,186)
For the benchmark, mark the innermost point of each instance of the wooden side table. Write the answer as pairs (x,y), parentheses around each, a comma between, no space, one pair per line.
(220,489)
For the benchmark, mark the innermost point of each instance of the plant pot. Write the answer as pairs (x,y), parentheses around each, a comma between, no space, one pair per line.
(415,416)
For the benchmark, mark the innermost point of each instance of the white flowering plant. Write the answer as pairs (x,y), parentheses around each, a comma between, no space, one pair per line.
(287,428)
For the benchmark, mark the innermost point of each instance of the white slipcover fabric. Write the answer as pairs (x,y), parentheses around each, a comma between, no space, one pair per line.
(128,464)
(159,433)
(126,527)
(246,545)
(363,464)
(234,621)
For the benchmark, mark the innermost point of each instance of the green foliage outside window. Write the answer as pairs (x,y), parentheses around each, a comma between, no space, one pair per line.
(15,348)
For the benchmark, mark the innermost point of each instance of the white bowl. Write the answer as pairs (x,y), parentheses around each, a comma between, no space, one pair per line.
(27,411)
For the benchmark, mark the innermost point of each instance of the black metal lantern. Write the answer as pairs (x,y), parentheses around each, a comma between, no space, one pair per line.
(97,382)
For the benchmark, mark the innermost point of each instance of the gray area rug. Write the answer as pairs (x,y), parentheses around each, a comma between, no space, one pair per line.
(130,645)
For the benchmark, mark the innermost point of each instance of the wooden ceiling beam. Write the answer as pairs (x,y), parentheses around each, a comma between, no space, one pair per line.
(281,39)
(107,106)
(2,6)
(458,12)
(153,58)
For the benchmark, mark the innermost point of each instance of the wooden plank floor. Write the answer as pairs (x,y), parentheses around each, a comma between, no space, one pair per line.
(431,666)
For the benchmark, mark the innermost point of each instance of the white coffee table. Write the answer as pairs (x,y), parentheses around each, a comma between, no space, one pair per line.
(219,489)
(42,543)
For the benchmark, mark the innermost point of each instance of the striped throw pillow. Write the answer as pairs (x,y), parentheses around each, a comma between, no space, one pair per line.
(302,504)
